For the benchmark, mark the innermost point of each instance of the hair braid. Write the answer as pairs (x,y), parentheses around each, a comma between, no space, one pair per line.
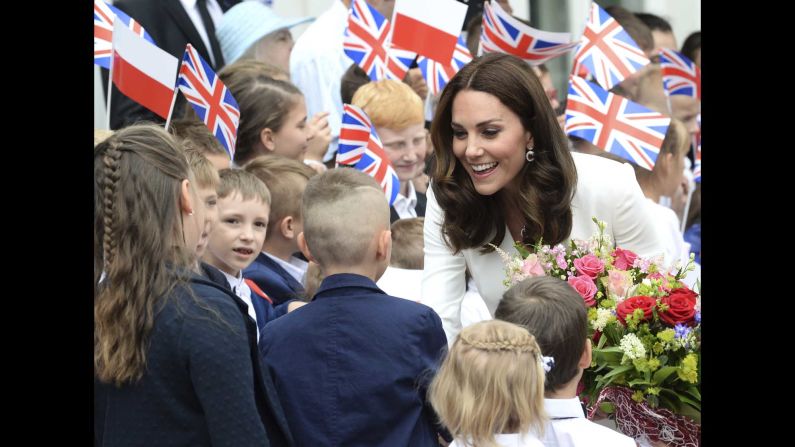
(524,344)
(109,188)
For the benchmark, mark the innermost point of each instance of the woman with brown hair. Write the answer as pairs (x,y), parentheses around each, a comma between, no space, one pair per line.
(175,357)
(504,173)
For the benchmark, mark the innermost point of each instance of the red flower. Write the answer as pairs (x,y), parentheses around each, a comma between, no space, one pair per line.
(623,259)
(626,307)
(681,307)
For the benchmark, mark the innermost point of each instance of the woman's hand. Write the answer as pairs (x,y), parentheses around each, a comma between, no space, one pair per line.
(319,137)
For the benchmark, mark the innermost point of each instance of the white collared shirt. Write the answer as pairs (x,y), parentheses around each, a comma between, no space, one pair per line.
(193,12)
(296,267)
(316,67)
(402,283)
(242,290)
(510,440)
(405,206)
(568,427)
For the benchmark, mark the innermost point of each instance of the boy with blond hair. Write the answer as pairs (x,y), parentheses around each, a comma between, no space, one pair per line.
(397,114)
(352,367)
(276,270)
(243,208)
(194,134)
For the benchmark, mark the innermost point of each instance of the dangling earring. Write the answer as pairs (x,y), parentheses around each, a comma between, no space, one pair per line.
(530,155)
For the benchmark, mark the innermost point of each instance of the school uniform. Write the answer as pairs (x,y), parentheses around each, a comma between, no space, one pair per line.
(280,280)
(568,427)
(353,366)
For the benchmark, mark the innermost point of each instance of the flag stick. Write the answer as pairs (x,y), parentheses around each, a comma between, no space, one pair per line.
(110,89)
(171,109)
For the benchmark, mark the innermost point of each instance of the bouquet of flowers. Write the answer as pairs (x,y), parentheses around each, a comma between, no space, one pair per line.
(645,325)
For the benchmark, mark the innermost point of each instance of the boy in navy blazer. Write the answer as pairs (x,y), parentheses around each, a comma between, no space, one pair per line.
(276,270)
(352,367)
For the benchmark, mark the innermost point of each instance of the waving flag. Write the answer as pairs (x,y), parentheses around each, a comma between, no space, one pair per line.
(355,133)
(210,98)
(681,76)
(614,123)
(438,75)
(697,154)
(368,43)
(360,148)
(104,15)
(143,72)
(430,28)
(503,33)
(606,50)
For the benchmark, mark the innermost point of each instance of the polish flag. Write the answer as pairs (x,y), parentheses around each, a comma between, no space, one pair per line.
(142,71)
(429,28)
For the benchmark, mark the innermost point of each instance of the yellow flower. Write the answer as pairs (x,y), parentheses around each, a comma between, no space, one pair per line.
(688,371)
(637,396)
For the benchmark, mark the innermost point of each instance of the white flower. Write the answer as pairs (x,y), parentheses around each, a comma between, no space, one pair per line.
(602,318)
(632,347)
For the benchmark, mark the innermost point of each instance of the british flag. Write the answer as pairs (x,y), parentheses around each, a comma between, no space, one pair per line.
(681,76)
(436,74)
(104,15)
(502,33)
(368,40)
(375,163)
(697,154)
(614,123)
(210,98)
(606,50)
(355,133)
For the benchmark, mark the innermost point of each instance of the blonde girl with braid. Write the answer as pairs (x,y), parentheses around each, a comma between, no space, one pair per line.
(175,358)
(489,391)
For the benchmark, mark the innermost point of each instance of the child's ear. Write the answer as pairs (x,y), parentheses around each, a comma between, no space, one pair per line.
(185,199)
(287,227)
(384,249)
(585,358)
(305,248)
(266,138)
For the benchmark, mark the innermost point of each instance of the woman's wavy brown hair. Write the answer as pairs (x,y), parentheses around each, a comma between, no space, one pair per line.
(547,184)
(138,172)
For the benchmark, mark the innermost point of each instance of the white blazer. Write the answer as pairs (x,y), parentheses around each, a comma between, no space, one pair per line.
(605,189)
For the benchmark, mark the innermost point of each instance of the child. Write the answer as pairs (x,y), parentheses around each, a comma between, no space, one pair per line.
(489,390)
(555,313)
(350,365)
(174,357)
(403,277)
(194,134)
(276,270)
(397,114)
(243,207)
(207,181)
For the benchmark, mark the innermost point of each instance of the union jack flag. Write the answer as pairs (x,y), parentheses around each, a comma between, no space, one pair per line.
(375,163)
(606,50)
(355,133)
(681,76)
(368,42)
(436,74)
(104,15)
(697,154)
(210,98)
(614,123)
(502,33)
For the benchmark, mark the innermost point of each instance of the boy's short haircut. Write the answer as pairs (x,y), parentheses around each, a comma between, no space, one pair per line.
(556,315)
(343,209)
(353,78)
(408,244)
(244,183)
(391,104)
(286,179)
(203,170)
(194,134)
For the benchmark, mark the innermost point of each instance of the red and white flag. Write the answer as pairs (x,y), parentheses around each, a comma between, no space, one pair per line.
(142,71)
(429,28)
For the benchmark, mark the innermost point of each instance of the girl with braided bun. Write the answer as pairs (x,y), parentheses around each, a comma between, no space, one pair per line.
(489,391)
(175,358)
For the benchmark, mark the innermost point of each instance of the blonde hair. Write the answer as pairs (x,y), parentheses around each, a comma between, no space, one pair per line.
(101,135)
(408,244)
(343,210)
(244,183)
(286,179)
(390,104)
(491,382)
(204,172)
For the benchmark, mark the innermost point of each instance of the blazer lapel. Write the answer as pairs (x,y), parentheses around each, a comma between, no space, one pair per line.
(279,270)
(184,23)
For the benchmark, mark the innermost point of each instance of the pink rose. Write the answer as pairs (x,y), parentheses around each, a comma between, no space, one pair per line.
(532,267)
(618,282)
(589,265)
(623,259)
(585,287)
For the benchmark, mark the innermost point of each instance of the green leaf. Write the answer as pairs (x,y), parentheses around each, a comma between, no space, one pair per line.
(661,374)
(618,370)
(693,391)
(637,382)
(607,407)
